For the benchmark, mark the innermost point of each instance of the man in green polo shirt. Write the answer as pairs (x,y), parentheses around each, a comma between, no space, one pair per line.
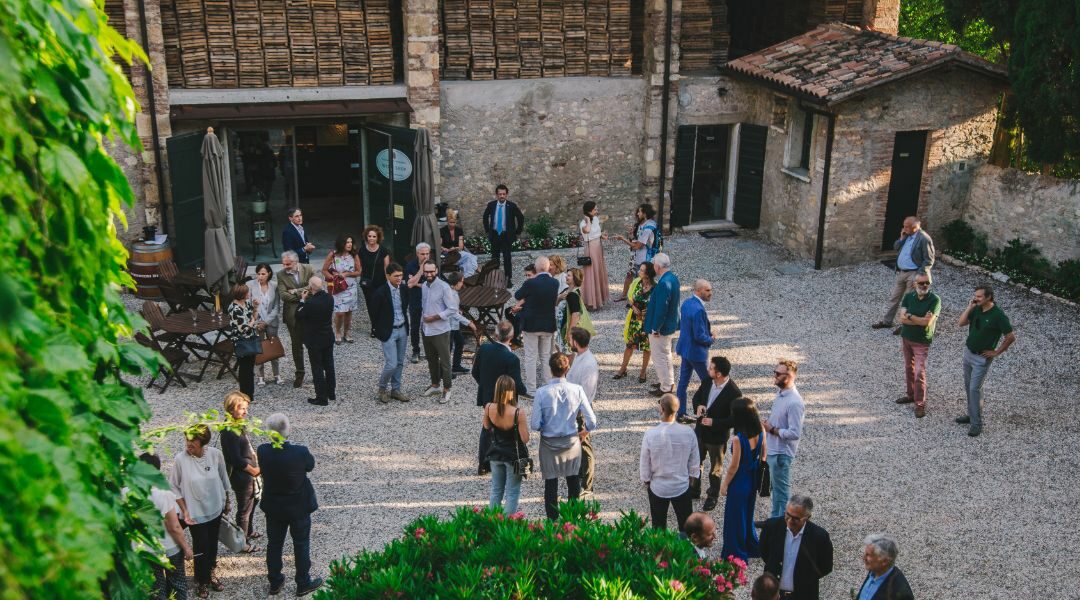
(986,325)
(918,316)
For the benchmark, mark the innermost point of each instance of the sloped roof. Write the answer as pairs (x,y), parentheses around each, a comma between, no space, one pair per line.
(835,62)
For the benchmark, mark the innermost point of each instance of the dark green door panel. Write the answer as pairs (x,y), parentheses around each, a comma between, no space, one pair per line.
(185,177)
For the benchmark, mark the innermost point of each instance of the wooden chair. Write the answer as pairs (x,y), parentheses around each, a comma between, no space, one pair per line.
(168,269)
(494,278)
(239,270)
(153,315)
(477,278)
(223,353)
(179,299)
(174,360)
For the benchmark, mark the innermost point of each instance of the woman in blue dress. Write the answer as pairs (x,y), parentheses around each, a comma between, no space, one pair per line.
(747,448)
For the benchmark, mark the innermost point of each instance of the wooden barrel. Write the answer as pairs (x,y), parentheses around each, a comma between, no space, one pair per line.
(143,266)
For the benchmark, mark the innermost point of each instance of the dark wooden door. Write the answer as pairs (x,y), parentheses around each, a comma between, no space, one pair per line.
(909,151)
(710,173)
(185,178)
(749,173)
(682,184)
(390,203)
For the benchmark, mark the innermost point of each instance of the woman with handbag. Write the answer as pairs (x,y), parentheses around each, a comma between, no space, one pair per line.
(243,468)
(508,454)
(747,450)
(268,316)
(575,313)
(595,286)
(245,338)
(638,299)
(200,483)
(342,269)
(373,262)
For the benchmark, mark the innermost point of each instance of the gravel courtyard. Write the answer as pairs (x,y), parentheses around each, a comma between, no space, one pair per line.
(975,518)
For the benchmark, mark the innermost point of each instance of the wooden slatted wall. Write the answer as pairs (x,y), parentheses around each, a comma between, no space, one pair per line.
(277,43)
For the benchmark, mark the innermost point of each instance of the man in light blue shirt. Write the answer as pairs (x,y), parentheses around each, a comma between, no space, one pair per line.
(554,415)
(884,580)
(783,429)
(439,305)
(916,255)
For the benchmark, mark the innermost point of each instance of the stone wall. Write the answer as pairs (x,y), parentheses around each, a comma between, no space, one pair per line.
(1006,204)
(554,142)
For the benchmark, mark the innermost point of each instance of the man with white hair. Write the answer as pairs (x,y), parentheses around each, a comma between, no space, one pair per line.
(796,550)
(884,580)
(316,312)
(291,281)
(288,501)
(695,338)
(537,318)
(416,296)
(661,321)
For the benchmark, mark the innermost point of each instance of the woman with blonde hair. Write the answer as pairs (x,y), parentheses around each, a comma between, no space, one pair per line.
(557,269)
(200,482)
(509,427)
(452,239)
(243,468)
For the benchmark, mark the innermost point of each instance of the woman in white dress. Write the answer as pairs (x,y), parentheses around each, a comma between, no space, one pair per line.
(343,261)
(595,288)
(268,314)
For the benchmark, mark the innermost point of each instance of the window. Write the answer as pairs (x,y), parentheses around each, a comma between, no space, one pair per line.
(799,149)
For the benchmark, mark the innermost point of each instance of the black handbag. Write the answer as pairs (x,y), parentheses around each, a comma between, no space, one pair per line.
(522,466)
(764,481)
(583,261)
(245,347)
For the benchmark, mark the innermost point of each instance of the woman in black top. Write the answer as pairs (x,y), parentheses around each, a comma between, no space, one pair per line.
(572,310)
(243,468)
(242,326)
(373,262)
(509,429)
(452,238)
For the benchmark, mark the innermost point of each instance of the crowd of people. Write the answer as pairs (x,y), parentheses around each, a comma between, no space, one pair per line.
(418,304)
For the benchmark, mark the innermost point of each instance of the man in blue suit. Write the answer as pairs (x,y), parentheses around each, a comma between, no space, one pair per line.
(661,321)
(695,337)
(493,360)
(503,222)
(288,501)
(537,319)
(293,236)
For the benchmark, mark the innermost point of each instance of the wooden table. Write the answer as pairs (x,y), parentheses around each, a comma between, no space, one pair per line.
(190,278)
(484,304)
(204,323)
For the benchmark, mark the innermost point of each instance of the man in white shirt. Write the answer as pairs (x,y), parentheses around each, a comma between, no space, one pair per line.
(439,305)
(669,458)
(177,549)
(584,371)
(783,429)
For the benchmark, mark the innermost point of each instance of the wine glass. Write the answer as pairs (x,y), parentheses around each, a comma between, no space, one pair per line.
(194,316)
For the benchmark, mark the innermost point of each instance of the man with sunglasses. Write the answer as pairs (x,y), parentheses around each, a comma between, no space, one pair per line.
(783,429)
(986,324)
(918,317)
(796,551)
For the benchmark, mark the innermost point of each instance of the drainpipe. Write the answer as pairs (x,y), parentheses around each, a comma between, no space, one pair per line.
(819,251)
(152,105)
(665,101)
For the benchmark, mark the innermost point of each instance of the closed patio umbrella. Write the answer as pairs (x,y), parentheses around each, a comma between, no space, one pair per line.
(218,251)
(426,226)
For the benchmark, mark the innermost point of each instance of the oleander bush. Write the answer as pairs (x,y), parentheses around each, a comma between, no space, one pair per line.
(482,553)
(961,237)
(539,228)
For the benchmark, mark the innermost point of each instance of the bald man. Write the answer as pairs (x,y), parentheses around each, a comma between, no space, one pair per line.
(538,297)
(695,338)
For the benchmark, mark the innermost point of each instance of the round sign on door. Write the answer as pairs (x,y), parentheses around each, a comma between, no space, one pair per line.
(402,164)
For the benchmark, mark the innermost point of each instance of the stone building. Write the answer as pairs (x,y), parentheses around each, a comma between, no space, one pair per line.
(562,100)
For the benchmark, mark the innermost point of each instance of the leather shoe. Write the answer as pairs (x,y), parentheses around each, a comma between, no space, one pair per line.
(384,396)
(896,331)
(905,400)
(304,590)
(920,412)
(760,524)
(710,503)
(975,430)
(415,359)
(299,381)
(964,420)
(881,325)
(318,402)
(399,396)
(276,589)
(658,392)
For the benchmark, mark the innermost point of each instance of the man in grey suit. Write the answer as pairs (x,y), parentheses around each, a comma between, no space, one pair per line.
(291,281)
(916,256)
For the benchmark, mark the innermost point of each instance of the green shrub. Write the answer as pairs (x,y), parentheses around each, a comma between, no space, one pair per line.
(1019,256)
(1068,278)
(481,553)
(962,237)
(539,228)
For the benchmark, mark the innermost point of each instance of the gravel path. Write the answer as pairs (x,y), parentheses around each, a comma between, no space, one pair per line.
(977,513)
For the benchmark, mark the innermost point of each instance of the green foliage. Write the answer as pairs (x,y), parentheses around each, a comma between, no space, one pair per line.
(960,236)
(561,239)
(1068,277)
(70,424)
(482,553)
(539,228)
(927,19)
(1021,256)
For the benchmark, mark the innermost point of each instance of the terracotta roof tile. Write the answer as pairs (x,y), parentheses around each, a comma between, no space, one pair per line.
(836,61)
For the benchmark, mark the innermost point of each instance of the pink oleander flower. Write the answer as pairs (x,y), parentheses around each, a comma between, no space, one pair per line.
(742,578)
(476,509)
(518,516)
(676,585)
(593,516)
(569,527)
(663,564)
(737,561)
(558,536)
(419,533)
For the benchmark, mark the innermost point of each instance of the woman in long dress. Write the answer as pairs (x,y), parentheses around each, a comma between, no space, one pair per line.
(595,287)
(344,261)
(268,316)
(747,448)
(635,338)
(373,262)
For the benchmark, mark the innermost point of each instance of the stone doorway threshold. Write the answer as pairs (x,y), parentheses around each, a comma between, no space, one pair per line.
(717,225)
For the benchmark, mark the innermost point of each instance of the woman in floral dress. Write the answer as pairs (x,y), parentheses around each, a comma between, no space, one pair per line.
(638,298)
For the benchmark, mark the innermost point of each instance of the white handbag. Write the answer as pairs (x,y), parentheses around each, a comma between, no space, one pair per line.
(230,535)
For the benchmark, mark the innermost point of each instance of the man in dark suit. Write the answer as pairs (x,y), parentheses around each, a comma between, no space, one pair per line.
(493,360)
(712,405)
(503,223)
(288,501)
(292,280)
(293,236)
(537,319)
(390,319)
(884,580)
(316,311)
(695,337)
(797,551)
